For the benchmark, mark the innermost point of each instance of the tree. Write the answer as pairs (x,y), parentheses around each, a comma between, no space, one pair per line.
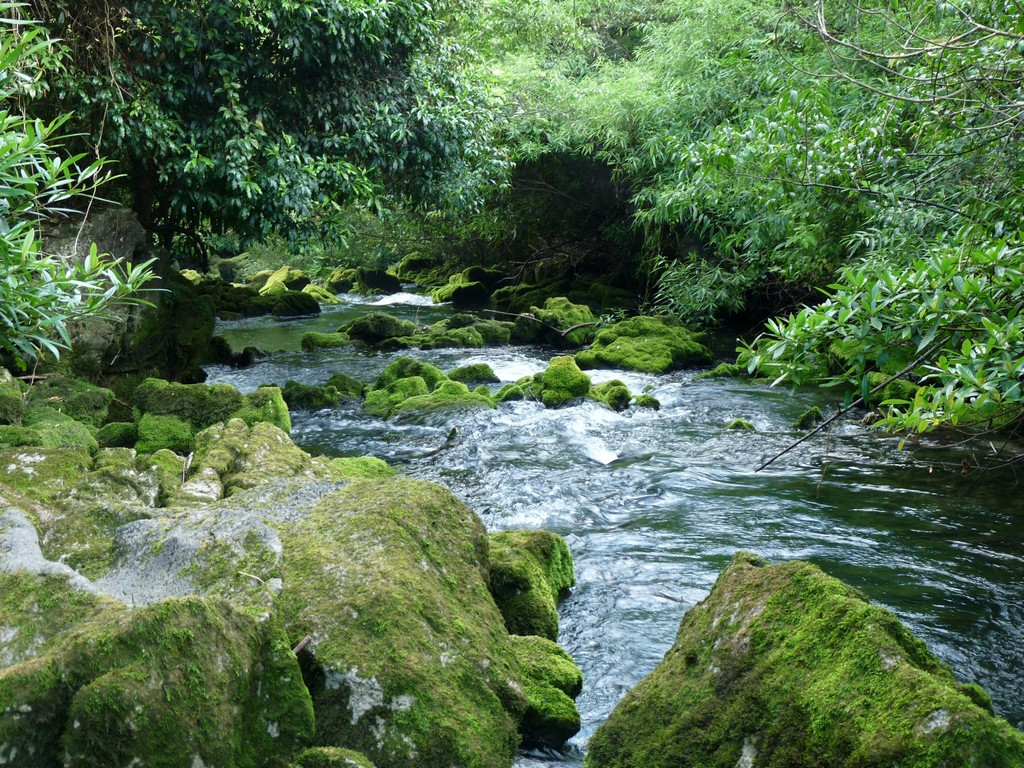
(258,115)
(40,292)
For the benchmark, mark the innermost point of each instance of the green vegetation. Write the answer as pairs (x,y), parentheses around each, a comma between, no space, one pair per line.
(531,571)
(795,667)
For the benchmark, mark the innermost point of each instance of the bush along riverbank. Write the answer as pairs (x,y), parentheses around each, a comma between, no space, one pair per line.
(214,595)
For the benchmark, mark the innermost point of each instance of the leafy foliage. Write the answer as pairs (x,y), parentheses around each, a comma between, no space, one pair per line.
(40,292)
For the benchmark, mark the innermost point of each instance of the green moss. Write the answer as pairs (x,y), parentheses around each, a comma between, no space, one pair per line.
(304,397)
(549,324)
(474,374)
(185,679)
(331,757)
(741,424)
(809,418)
(295,304)
(562,382)
(198,404)
(724,371)
(375,327)
(647,401)
(59,429)
(164,432)
(42,473)
(321,294)
(804,670)
(78,399)
(897,389)
(348,387)
(351,468)
(530,572)
(412,664)
(382,402)
(376,281)
(13,437)
(266,404)
(404,367)
(342,279)
(551,681)
(12,405)
(283,280)
(447,394)
(118,434)
(461,294)
(645,344)
(613,394)
(314,340)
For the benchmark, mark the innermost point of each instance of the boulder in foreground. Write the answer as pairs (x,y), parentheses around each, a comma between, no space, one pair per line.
(784,666)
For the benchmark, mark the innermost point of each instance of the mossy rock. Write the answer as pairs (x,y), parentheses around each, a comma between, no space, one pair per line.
(551,681)
(78,399)
(185,681)
(267,405)
(549,324)
(284,280)
(376,281)
(314,340)
(383,401)
(42,473)
(467,295)
(740,425)
(331,757)
(647,401)
(342,280)
(724,371)
(118,434)
(12,404)
(454,332)
(375,327)
(410,663)
(348,387)
(321,294)
(58,429)
(530,572)
(404,367)
(783,665)
(304,397)
(295,304)
(562,383)
(447,394)
(158,432)
(352,468)
(478,373)
(897,389)
(613,394)
(202,406)
(809,418)
(647,345)
(13,437)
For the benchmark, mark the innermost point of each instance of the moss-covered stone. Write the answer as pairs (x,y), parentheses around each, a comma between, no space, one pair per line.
(41,473)
(82,401)
(283,280)
(562,383)
(183,682)
(158,432)
(783,665)
(352,468)
(375,327)
(348,387)
(809,418)
(314,340)
(383,401)
(58,429)
(295,304)
(647,401)
(740,424)
(613,394)
(12,437)
(342,280)
(530,572)
(321,294)
(12,404)
(897,389)
(305,397)
(447,394)
(266,404)
(404,367)
(376,281)
(551,681)
(410,663)
(645,344)
(118,434)
(478,373)
(551,324)
(462,294)
(454,332)
(331,757)
(724,371)
(202,406)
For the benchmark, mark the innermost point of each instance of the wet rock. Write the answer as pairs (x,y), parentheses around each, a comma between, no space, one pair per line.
(342,280)
(313,340)
(459,330)
(783,665)
(551,681)
(531,571)
(645,344)
(352,468)
(376,281)
(809,418)
(409,663)
(410,385)
(374,327)
(321,294)
(304,397)
(613,394)
(295,304)
(348,387)
(478,373)
(462,294)
(741,425)
(562,382)
(647,401)
(559,322)
(284,280)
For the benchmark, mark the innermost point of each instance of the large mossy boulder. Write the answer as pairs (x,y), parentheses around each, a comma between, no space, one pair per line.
(531,571)
(295,304)
(375,327)
(283,280)
(459,330)
(410,662)
(376,281)
(462,294)
(201,405)
(782,665)
(559,322)
(408,384)
(552,681)
(647,345)
(80,400)
(184,682)
(313,340)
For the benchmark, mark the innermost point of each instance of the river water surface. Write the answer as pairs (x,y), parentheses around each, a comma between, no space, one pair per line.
(655,503)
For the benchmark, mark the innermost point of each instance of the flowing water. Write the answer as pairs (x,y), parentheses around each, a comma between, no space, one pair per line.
(655,503)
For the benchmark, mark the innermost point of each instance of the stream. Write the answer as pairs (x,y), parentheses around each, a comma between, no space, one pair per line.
(655,503)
